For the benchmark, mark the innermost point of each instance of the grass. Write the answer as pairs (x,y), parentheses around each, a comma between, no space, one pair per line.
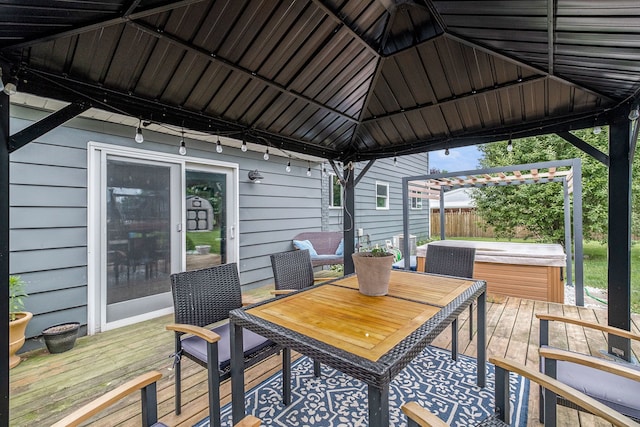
(206,238)
(595,266)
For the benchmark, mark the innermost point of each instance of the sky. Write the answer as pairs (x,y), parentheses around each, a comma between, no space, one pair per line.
(459,159)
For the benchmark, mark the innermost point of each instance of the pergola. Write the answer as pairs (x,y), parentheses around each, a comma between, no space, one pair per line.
(566,172)
(342,80)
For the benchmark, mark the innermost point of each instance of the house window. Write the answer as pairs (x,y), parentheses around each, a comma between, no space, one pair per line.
(335,192)
(382,195)
(416,200)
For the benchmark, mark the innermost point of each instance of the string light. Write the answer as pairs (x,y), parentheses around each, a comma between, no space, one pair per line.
(218,145)
(597,130)
(395,161)
(139,137)
(324,171)
(446,152)
(633,114)
(509,146)
(266,154)
(244,146)
(309,169)
(288,168)
(183,149)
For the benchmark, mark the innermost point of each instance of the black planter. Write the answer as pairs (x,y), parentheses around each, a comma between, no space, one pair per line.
(60,338)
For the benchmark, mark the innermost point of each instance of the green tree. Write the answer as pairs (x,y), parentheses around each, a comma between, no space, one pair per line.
(539,207)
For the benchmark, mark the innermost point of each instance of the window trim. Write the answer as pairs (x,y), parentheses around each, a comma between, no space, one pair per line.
(386,185)
(332,177)
(417,197)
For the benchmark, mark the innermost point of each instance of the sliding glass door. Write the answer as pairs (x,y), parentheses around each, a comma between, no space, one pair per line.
(140,252)
(151,215)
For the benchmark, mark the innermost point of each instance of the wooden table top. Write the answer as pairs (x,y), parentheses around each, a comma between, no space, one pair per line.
(339,315)
(427,288)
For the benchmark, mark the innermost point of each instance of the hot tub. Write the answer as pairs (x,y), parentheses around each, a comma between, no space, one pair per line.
(524,270)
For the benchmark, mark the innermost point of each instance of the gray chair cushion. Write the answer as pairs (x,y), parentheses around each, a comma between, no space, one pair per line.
(197,347)
(619,393)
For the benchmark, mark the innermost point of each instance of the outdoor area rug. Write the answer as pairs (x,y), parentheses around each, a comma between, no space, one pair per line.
(444,386)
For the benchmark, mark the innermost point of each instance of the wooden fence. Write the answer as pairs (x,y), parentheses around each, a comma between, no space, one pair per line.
(463,223)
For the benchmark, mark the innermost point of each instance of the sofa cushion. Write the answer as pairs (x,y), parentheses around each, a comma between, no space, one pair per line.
(305,244)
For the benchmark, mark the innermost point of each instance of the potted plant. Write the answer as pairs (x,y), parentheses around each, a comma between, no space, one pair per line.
(373,270)
(18,319)
(62,337)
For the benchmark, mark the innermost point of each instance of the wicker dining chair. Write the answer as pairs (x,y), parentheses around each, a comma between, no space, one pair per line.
(419,416)
(452,261)
(605,377)
(202,298)
(146,385)
(293,271)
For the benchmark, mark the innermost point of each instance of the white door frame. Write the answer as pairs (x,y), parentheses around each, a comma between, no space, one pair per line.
(96,232)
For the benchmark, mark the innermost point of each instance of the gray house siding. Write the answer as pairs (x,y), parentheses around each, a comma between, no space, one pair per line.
(48,211)
(380,224)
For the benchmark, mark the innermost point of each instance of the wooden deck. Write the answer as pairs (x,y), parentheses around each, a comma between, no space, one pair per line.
(45,387)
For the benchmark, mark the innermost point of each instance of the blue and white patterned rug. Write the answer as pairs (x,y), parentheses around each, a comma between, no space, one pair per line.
(444,386)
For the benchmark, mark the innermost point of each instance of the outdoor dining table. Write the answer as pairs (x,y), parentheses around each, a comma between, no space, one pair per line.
(369,338)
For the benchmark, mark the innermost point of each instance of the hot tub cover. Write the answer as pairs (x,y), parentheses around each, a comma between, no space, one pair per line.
(550,255)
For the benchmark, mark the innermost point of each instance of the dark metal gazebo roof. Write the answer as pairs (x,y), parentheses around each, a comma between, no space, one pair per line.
(339,79)
(347,80)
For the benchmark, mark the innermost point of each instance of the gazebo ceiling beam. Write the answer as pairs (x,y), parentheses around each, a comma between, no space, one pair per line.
(128,15)
(332,15)
(213,57)
(519,63)
(583,146)
(469,95)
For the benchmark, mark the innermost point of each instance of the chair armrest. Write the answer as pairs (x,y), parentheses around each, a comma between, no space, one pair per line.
(249,421)
(422,416)
(590,361)
(578,398)
(604,328)
(198,331)
(108,399)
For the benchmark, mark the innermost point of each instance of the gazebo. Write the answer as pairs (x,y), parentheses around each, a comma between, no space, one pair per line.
(346,81)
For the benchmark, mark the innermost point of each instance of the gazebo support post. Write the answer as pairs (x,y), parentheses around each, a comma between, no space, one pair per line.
(349,218)
(619,248)
(4,257)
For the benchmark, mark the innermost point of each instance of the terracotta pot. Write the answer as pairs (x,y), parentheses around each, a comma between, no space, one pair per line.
(373,273)
(16,336)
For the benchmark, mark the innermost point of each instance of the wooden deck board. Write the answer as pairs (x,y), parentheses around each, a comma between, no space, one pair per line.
(45,387)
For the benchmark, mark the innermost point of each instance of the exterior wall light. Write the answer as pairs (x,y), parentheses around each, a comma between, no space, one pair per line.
(255,176)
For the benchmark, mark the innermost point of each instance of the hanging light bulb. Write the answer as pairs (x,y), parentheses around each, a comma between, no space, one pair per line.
(11,87)
(218,146)
(288,168)
(309,169)
(244,146)
(183,149)
(633,114)
(446,152)
(324,171)
(395,161)
(139,138)
(597,130)
(266,154)
(509,146)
